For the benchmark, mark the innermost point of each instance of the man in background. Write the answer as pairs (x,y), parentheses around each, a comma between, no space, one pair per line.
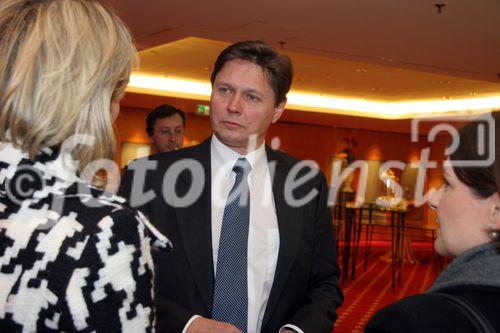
(165,127)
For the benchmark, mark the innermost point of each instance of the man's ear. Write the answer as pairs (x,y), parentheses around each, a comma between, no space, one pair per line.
(278,111)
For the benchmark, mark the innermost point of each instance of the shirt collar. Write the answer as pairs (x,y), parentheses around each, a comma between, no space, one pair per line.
(224,158)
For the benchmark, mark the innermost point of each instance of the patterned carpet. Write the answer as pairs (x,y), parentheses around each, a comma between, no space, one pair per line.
(371,290)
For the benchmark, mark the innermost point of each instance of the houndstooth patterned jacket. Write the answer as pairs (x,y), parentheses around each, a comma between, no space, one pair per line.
(72,257)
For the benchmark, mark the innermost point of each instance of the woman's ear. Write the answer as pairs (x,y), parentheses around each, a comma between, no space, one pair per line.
(495,212)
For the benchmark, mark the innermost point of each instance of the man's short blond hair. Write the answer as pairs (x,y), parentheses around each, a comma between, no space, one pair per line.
(62,62)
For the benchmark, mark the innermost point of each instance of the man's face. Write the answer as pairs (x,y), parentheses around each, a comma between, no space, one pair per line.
(168,134)
(242,104)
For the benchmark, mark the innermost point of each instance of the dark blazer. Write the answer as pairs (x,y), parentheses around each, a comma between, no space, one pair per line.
(432,313)
(305,291)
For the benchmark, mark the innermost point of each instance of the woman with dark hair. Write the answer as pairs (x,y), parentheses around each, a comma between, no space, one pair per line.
(466,295)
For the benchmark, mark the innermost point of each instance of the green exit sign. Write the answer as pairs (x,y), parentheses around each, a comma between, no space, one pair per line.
(202,110)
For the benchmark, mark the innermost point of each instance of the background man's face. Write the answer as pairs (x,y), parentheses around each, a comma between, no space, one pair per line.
(242,104)
(168,134)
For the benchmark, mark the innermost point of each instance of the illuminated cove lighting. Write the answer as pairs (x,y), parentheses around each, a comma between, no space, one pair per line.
(200,90)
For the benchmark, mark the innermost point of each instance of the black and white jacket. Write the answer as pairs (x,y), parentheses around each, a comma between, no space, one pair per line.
(72,257)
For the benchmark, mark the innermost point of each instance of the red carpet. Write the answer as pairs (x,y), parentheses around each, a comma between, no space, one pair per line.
(371,290)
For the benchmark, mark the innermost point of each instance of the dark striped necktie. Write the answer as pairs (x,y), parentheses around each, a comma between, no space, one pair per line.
(231,281)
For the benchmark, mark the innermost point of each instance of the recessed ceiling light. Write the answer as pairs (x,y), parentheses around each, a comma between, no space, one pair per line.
(183,88)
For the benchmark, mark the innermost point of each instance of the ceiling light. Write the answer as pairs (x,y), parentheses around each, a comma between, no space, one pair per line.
(168,86)
(201,90)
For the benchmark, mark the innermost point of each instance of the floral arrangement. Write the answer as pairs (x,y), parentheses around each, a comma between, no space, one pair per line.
(347,152)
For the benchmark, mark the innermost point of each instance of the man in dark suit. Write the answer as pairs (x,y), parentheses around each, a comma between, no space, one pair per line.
(253,242)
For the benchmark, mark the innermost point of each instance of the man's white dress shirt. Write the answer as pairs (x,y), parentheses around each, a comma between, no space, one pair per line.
(263,233)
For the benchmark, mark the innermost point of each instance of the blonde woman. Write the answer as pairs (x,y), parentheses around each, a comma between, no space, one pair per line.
(72,257)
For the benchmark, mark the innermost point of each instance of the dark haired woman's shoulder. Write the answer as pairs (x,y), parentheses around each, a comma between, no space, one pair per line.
(429,313)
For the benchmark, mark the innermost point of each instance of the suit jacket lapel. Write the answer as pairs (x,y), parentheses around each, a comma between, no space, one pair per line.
(290,229)
(195,228)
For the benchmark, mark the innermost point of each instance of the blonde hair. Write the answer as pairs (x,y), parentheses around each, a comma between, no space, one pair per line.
(62,62)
